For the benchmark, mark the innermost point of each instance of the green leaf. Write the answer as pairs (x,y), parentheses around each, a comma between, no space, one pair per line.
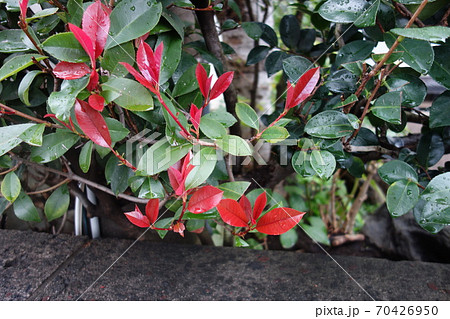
(342,81)
(187,83)
(417,54)
(397,170)
(151,188)
(85,156)
(212,129)
(234,190)
(116,129)
(65,47)
(295,67)
(440,106)
(316,230)
(274,62)
(234,145)
(127,93)
(247,115)
(438,190)
(343,11)
(224,118)
(11,186)
(25,84)
(401,197)
(354,51)
(239,242)
(171,55)
(257,54)
(275,134)
(131,19)
(160,156)
(175,21)
(117,175)
(369,17)
(329,125)
(54,145)
(75,11)
(290,31)
(323,162)
(62,102)
(11,41)
(440,70)
(289,238)
(57,204)
(431,216)
(33,135)
(253,29)
(43,13)
(301,162)
(17,64)
(430,149)
(412,88)
(10,136)
(112,57)
(205,162)
(24,209)
(388,107)
(432,34)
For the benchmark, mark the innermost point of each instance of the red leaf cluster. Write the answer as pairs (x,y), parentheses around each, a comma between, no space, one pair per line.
(23,4)
(204,199)
(178,174)
(240,214)
(151,214)
(92,123)
(304,87)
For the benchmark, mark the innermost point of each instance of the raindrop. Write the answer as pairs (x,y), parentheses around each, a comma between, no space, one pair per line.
(133,8)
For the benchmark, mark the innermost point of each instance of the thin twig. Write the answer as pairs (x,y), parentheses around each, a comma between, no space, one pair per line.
(11,169)
(29,117)
(403,10)
(50,188)
(229,168)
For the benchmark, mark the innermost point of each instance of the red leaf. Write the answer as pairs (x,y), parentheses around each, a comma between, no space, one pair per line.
(232,213)
(145,59)
(138,41)
(23,8)
(93,81)
(139,77)
(136,218)
(222,83)
(202,79)
(246,206)
(204,199)
(71,71)
(85,42)
(260,203)
(176,180)
(92,124)
(279,221)
(152,210)
(96,25)
(304,87)
(179,228)
(96,102)
(157,60)
(196,114)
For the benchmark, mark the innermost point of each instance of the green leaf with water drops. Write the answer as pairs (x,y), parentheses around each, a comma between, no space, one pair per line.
(65,47)
(85,156)
(11,186)
(54,145)
(432,34)
(204,163)
(343,11)
(17,64)
(431,216)
(323,162)
(127,93)
(440,70)
(388,107)
(11,41)
(234,190)
(438,190)
(24,86)
(10,136)
(369,16)
(58,203)
(33,135)
(401,197)
(396,170)
(247,115)
(354,51)
(329,125)
(62,102)
(295,67)
(440,106)
(24,208)
(151,188)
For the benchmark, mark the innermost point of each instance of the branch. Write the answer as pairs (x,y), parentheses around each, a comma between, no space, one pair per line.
(29,117)
(50,188)
(406,13)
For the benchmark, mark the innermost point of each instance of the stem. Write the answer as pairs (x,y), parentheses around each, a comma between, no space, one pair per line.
(123,160)
(58,4)
(50,188)
(257,136)
(12,169)
(29,117)
(229,169)
(171,114)
(183,209)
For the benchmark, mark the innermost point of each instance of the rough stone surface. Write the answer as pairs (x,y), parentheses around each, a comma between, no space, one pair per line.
(161,271)
(28,258)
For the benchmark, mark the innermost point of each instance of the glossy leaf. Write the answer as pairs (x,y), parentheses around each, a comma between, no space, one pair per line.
(232,213)
(33,135)
(42,14)
(152,210)
(274,62)
(247,208)
(396,170)
(204,82)
(57,204)
(440,70)
(290,31)
(340,11)
(279,221)
(342,82)
(25,210)
(412,88)
(92,124)
(54,145)
(224,118)
(212,129)
(136,218)
(96,24)
(71,71)
(222,83)
(65,47)
(204,163)
(275,134)
(430,149)
(440,106)
(196,114)
(85,41)
(131,19)
(127,93)
(11,186)
(257,54)
(369,16)
(112,57)
(151,188)
(323,163)
(10,136)
(17,64)
(303,88)
(431,216)
(85,156)
(61,102)
(329,125)
(160,156)
(234,190)
(11,41)
(437,190)
(317,230)
(204,199)
(247,115)
(354,51)
(24,86)
(388,107)
(260,204)
(401,197)
(234,145)
(432,34)
(295,67)
(289,239)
